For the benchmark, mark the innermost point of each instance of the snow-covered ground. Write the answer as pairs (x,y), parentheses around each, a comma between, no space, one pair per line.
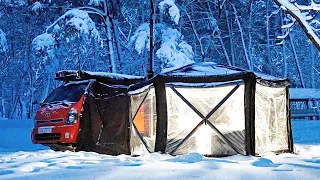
(20,159)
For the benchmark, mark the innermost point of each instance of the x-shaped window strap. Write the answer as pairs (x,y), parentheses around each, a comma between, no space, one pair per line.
(135,127)
(205,119)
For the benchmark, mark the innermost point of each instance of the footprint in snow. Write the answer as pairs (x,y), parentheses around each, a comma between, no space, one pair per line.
(313,160)
(5,172)
(263,162)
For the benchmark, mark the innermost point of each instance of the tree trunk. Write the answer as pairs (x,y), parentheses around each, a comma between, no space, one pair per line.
(196,35)
(108,28)
(3,108)
(312,66)
(45,92)
(117,42)
(151,43)
(230,31)
(110,46)
(31,102)
(269,66)
(242,37)
(220,38)
(297,62)
(23,109)
(224,48)
(284,54)
(250,36)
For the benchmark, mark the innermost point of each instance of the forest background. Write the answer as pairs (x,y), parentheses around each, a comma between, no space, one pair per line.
(38,38)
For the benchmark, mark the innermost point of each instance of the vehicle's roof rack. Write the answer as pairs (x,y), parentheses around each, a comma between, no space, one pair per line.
(104,77)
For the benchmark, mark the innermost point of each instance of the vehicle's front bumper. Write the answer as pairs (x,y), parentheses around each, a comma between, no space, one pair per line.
(59,134)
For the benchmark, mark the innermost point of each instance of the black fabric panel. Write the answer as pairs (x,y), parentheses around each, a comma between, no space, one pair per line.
(249,108)
(104,122)
(85,141)
(162,118)
(290,138)
(274,84)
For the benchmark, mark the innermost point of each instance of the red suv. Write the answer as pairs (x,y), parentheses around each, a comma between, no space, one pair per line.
(57,120)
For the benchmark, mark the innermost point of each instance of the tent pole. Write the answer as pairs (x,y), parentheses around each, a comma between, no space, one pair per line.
(162,118)
(150,72)
(249,109)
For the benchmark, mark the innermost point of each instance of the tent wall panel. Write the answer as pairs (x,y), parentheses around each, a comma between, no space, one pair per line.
(181,120)
(102,128)
(229,119)
(271,131)
(189,112)
(136,145)
(207,142)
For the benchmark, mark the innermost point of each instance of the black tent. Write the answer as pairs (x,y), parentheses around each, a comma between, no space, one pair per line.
(212,109)
(105,110)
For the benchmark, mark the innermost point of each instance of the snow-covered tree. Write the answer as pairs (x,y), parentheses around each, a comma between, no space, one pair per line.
(102,9)
(3,42)
(173,51)
(74,25)
(305,15)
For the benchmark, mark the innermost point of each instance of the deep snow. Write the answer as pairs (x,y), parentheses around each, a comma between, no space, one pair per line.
(20,159)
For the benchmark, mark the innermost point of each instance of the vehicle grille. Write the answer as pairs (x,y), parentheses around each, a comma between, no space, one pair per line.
(56,120)
(51,120)
(47,136)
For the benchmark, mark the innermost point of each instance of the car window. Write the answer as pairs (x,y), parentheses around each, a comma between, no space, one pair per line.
(70,93)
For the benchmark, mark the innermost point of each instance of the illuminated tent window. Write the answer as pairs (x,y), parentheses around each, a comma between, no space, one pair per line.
(143,128)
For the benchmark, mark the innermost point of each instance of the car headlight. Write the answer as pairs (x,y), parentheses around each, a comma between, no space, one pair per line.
(72,116)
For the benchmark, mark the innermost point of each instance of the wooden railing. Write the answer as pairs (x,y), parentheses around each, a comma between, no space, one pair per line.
(305,109)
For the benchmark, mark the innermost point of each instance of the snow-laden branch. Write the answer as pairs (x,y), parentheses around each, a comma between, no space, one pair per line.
(284,36)
(37,6)
(43,42)
(44,45)
(313,6)
(295,11)
(97,11)
(173,10)
(173,51)
(75,23)
(286,26)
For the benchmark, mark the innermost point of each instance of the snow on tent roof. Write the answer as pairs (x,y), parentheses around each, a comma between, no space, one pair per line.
(269,77)
(202,69)
(213,69)
(73,75)
(304,93)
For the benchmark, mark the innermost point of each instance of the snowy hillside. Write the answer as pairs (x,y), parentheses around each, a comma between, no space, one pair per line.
(20,159)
